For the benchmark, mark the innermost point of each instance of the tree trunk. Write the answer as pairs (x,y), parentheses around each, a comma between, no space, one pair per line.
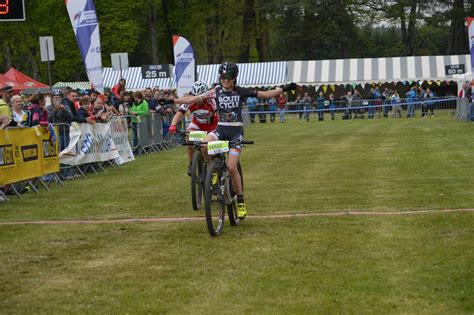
(153,35)
(410,45)
(458,37)
(213,34)
(247,34)
(35,69)
(169,55)
(7,58)
(261,36)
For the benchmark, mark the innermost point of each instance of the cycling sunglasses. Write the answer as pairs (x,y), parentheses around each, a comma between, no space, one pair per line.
(227,76)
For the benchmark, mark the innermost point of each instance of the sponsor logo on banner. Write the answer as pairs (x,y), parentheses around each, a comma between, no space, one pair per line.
(26,153)
(98,143)
(120,137)
(29,152)
(6,155)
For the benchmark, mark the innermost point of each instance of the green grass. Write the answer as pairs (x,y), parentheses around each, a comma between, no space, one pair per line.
(414,264)
(392,264)
(393,164)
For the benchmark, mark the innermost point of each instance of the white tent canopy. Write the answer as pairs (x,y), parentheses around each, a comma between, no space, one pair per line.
(250,74)
(315,72)
(366,70)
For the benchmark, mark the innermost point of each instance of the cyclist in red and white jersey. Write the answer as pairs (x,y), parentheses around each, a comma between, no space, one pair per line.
(204,116)
(229,98)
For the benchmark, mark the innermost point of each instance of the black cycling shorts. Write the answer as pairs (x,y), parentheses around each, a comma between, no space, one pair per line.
(233,134)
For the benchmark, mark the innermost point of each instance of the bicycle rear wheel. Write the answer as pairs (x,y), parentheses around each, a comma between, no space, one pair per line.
(232,208)
(214,200)
(196,180)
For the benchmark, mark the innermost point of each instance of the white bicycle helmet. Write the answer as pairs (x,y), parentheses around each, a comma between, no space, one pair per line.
(199,87)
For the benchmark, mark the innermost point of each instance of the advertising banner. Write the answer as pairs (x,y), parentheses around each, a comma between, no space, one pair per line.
(470,28)
(26,153)
(89,144)
(185,65)
(86,28)
(119,131)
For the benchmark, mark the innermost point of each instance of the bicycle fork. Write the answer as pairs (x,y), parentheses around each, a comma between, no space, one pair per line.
(224,188)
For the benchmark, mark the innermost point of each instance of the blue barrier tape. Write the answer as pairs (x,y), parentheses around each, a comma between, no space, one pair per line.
(339,109)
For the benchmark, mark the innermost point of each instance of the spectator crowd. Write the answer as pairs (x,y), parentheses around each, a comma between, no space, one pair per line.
(82,106)
(387,103)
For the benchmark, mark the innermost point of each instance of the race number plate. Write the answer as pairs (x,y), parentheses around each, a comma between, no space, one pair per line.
(216,147)
(197,135)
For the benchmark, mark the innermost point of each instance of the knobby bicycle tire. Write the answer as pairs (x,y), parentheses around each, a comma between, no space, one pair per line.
(232,208)
(196,181)
(214,201)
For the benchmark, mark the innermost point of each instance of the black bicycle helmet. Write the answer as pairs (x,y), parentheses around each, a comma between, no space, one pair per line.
(229,68)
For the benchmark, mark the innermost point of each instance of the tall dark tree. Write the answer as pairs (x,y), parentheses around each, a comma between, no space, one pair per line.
(247,34)
(458,38)
(262,30)
(214,34)
(152,23)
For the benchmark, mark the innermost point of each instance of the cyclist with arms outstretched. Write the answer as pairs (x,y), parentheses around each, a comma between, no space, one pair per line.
(229,99)
(204,115)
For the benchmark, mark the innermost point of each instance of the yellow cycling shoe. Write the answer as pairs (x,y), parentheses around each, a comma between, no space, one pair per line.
(241,210)
(214,179)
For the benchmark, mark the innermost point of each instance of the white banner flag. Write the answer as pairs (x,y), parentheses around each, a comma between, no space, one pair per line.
(119,129)
(185,65)
(89,144)
(86,28)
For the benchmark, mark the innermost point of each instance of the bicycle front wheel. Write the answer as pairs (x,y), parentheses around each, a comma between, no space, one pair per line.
(214,199)
(196,180)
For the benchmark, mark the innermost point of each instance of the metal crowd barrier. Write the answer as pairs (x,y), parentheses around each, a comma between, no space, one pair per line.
(370,108)
(464,110)
(151,134)
(33,184)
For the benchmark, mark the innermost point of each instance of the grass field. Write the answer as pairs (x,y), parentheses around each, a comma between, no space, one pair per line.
(419,263)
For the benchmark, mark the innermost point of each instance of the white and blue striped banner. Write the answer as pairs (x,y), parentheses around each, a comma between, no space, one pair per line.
(86,28)
(185,65)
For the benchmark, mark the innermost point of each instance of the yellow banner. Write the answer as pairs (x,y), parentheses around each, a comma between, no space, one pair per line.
(26,153)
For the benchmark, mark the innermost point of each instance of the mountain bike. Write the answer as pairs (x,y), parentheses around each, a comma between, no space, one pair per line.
(198,168)
(218,193)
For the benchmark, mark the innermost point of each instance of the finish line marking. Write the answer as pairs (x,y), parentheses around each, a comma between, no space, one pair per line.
(270,216)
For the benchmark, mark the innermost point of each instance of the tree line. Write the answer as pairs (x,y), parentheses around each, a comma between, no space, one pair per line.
(239,30)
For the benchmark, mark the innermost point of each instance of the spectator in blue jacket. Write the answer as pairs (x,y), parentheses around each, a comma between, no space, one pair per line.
(427,98)
(320,104)
(252,106)
(272,107)
(332,105)
(374,98)
(307,105)
(411,99)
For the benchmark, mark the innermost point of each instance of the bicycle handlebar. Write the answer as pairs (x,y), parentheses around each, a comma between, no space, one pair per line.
(192,143)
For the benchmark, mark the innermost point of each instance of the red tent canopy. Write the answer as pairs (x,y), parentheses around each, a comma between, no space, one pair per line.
(4,81)
(20,81)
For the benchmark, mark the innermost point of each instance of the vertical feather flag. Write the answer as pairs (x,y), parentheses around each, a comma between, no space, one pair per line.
(184,65)
(86,28)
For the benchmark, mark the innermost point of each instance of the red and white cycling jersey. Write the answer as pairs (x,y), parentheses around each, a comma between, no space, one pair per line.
(204,114)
